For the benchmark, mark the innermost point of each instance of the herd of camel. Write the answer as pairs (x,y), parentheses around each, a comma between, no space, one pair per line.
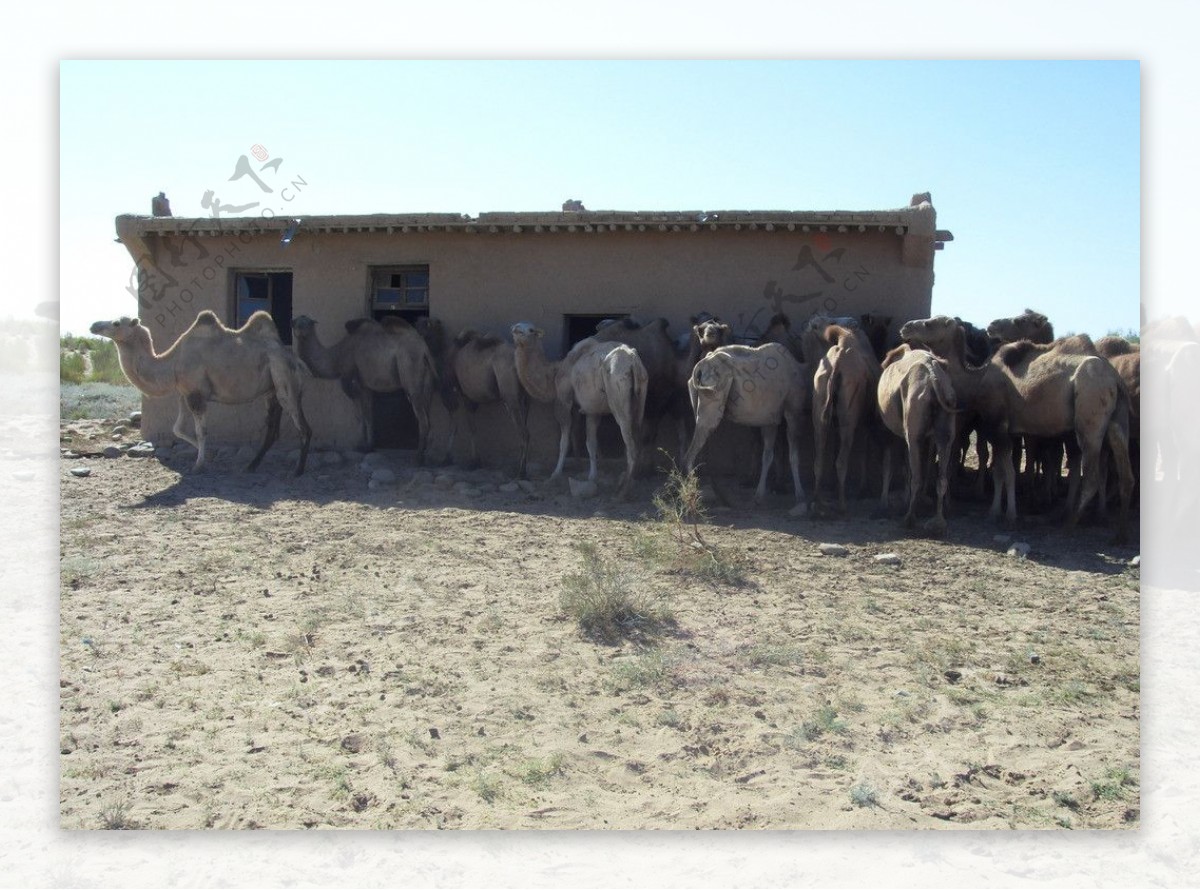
(1012,384)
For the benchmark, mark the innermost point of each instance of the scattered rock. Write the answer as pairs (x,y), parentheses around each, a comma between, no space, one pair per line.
(510,488)
(833,550)
(444,482)
(902,693)
(421,477)
(952,676)
(526,486)
(68,454)
(352,743)
(1034,658)
(119,430)
(113,451)
(135,418)
(142,449)
(433,733)
(383,476)
(888,559)
(584,488)
(1019,550)
(464,487)
(81,472)
(1136,562)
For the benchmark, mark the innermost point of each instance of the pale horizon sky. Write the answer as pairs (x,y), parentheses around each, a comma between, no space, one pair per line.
(1034,166)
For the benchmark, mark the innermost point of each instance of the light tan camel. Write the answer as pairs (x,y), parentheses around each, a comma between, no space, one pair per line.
(846,377)
(755,386)
(212,363)
(1041,390)
(657,353)
(598,378)
(917,403)
(482,369)
(387,356)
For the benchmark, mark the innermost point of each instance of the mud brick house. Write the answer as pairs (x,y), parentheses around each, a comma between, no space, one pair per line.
(563,271)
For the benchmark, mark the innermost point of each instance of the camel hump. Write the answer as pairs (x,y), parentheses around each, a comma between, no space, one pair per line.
(354,324)
(480,340)
(1013,354)
(259,324)
(208,318)
(895,355)
(1078,344)
(394,324)
(780,318)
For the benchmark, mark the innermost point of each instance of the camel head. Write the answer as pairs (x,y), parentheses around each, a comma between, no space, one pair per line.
(526,334)
(303,326)
(941,334)
(712,333)
(1029,325)
(121,330)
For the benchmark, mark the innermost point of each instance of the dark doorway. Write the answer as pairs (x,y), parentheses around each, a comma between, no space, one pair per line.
(580,327)
(267,292)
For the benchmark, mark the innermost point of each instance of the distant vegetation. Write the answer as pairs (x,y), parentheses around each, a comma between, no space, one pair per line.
(89,360)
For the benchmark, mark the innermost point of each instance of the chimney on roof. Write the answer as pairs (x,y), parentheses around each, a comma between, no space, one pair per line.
(159,205)
(572,205)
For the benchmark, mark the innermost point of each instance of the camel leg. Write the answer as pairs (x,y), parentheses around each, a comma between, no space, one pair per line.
(793,439)
(593,444)
(768,458)
(563,414)
(846,430)
(884,501)
(471,408)
(274,413)
(912,439)
(196,405)
(420,406)
(296,410)
(819,438)
(631,458)
(518,412)
(1118,443)
(178,429)
(1090,467)
(699,437)
(1003,478)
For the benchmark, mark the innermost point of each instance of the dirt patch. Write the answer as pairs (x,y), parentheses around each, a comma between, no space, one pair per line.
(258,651)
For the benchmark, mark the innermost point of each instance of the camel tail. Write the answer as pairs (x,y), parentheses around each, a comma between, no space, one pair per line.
(944,392)
(826,408)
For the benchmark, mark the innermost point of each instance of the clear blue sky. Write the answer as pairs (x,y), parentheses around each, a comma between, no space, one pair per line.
(1033,165)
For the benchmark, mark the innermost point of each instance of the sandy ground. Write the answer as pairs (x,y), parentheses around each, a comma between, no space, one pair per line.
(259,651)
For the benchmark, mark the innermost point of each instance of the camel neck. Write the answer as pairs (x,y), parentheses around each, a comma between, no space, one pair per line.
(537,373)
(324,362)
(152,374)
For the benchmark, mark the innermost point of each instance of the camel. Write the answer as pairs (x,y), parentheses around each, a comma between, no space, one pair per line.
(657,353)
(599,378)
(212,363)
(1040,390)
(374,356)
(844,380)
(917,403)
(706,334)
(754,386)
(779,330)
(482,369)
(1029,325)
(876,329)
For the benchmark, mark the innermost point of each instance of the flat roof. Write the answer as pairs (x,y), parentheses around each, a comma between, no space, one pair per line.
(570,221)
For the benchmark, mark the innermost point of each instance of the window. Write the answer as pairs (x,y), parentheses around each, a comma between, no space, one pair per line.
(396,288)
(269,292)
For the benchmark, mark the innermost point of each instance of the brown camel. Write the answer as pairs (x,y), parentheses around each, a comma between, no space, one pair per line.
(212,363)
(598,378)
(374,356)
(1041,390)
(482,369)
(1029,325)
(707,334)
(917,403)
(846,377)
(755,386)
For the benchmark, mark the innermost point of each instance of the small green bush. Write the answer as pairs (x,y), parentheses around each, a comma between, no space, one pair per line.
(606,598)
